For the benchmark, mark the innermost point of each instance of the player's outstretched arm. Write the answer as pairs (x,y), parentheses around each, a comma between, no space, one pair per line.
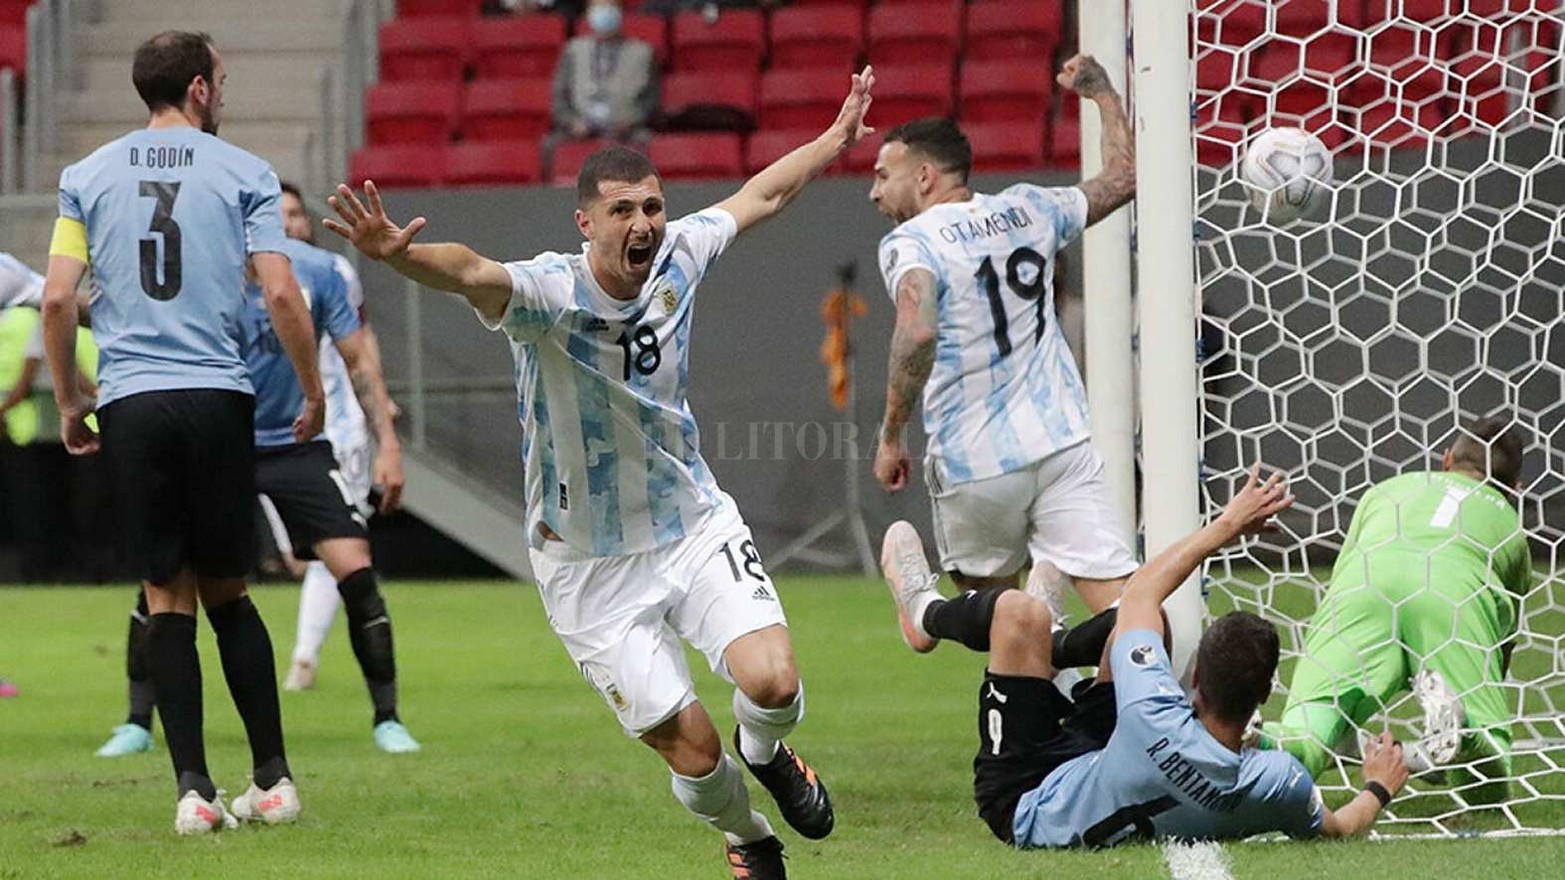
(1248,511)
(778,183)
(455,268)
(296,331)
(1116,183)
(361,352)
(60,317)
(912,358)
(1383,768)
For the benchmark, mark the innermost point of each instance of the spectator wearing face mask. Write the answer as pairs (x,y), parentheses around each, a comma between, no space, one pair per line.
(606,85)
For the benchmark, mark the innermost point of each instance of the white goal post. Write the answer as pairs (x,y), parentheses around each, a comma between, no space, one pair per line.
(1350,347)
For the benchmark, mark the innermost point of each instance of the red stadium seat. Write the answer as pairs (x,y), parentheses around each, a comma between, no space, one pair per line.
(1065,142)
(860,158)
(999,29)
(409,8)
(698,156)
(801,99)
(1220,133)
(710,100)
(507,109)
(906,93)
(424,48)
(1229,22)
(412,112)
(568,158)
(14,12)
(1007,146)
(1001,91)
(651,29)
(915,33)
(13,49)
(400,166)
(767,146)
(519,45)
(497,163)
(817,37)
(735,41)
(1301,18)
(853,4)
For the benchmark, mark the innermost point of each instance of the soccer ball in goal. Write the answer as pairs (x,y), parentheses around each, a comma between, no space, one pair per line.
(1428,293)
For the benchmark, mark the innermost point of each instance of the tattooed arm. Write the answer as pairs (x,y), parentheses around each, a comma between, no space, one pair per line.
(912,357)
(1116,183)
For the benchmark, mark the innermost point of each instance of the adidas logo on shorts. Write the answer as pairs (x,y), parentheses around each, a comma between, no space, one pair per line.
(762,594)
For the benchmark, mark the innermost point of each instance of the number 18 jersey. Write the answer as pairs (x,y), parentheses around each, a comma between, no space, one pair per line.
(171,216)
(1004,391)
(612,455)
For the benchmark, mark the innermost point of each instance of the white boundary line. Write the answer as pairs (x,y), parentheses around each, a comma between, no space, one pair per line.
(1196,861)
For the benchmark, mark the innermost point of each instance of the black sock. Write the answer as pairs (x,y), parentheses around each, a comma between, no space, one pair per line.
(176,673)
(1083,645)
(369,630)
(965,618)
(138,666)
(251,672)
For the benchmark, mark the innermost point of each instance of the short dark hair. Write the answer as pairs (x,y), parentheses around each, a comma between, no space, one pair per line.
(292,189)
(618,164)
(166,64)
(939,140)
(1235,664)
(1492,446)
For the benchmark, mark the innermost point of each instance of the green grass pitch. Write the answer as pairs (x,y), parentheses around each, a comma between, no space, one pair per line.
(524,772)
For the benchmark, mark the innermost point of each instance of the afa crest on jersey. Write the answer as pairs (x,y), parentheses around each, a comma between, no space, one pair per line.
(670,300)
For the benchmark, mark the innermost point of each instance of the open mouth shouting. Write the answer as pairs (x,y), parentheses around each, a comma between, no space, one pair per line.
(639,256)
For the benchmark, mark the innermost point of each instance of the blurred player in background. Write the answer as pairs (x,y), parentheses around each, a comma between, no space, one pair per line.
(1423,596)
(349,394)
(168,218)
(1132,758)
(634,545)
(1011,470)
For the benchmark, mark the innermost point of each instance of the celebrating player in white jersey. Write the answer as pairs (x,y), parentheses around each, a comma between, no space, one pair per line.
(348,430)
(19,284)
(1011,470)
(634,545)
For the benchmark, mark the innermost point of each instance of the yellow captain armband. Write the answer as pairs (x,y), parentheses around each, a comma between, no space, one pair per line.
(70,239)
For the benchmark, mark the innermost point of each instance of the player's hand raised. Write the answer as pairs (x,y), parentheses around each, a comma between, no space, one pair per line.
(311,421)
(850,120)
(370,230)
(1251,510)
(1086,77)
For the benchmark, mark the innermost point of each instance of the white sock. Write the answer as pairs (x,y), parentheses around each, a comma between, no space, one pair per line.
(760,730)
(721,800)
(318,603)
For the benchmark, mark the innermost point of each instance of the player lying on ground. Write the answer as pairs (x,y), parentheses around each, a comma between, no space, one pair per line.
(305,497)
(1131,758)
(634,545)
(1011,470)
(168,218)
(1423,596)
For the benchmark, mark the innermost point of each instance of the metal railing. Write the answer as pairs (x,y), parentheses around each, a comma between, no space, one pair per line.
(341,129)
(9,120)
(51,59)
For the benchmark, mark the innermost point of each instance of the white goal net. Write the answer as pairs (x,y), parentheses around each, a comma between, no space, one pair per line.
(1349,347)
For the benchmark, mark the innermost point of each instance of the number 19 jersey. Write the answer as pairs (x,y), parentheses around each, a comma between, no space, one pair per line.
(1004,391)
(611,450)
(171,216)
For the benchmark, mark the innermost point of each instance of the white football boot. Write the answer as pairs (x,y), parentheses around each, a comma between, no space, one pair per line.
(1443,720)
(272,806)
(197,815)
(912,584)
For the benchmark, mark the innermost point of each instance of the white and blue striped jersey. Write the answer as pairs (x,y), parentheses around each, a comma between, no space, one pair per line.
(611,450)
(19,284)
(1162,775)
(1004,391)
(346,426)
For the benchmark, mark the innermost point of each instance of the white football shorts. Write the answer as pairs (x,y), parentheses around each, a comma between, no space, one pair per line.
(621,618)
(353,474)
(1057,509)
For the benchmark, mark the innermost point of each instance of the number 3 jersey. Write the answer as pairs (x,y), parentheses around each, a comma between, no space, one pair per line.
(171,216)
(1004,391)
(1162,775)
(611,450)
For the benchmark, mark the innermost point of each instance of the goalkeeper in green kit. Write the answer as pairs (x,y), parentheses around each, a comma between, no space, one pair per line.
(1424,596)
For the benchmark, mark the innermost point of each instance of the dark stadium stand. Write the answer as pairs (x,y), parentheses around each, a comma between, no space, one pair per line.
(771,79)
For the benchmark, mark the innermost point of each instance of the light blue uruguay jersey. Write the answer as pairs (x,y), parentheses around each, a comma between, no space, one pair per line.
(611,450)
(1163,775)
(19,284)
(1004,391)
(278,396)
(171,216)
